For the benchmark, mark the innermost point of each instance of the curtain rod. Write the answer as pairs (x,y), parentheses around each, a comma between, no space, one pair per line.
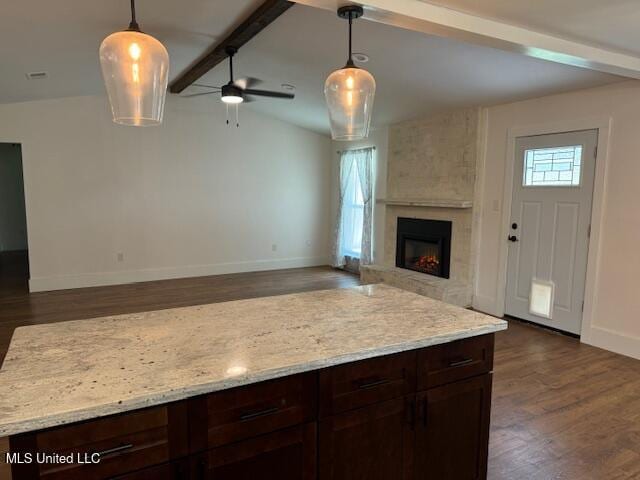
(354,149)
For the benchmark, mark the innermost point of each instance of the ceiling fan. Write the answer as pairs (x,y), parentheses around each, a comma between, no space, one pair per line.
(238,91)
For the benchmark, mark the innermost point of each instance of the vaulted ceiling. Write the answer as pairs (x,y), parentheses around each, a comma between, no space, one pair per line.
(416,74)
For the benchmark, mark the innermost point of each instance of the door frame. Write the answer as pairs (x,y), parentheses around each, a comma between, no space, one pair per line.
(23,166)
(604,127)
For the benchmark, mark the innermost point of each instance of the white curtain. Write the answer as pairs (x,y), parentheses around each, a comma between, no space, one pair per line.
(354,207)
(364,161)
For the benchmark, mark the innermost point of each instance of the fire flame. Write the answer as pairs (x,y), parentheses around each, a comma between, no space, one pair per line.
(428,263)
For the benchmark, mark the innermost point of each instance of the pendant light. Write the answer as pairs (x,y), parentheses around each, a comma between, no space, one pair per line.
(135,67)
(349,92)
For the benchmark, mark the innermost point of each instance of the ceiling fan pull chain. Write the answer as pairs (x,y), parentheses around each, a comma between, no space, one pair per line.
(237,117)
(227,113)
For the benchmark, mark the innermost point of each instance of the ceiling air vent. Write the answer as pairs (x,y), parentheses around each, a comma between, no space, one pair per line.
(37,75)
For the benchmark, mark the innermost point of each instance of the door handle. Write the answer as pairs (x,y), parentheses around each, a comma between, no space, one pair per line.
(512,238)
(425,411)
(411,413)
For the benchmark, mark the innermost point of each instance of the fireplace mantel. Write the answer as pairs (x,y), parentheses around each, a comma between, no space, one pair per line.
(424,202)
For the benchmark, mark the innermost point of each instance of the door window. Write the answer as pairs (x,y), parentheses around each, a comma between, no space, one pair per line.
(552,167)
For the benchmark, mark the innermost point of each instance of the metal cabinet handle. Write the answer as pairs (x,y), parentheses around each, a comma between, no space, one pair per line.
(411,413)
(262,413)
(114,450)
(364,384)
(425,406)
(460,363)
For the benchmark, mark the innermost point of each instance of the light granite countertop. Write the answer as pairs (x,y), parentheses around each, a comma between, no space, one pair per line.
(65,372)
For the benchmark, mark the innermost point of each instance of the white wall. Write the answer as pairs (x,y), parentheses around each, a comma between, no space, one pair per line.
(614,309)
(192,197)
(378,138)
(13,227)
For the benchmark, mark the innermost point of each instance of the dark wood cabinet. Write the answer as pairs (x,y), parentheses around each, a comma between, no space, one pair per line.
(416,415)
(452,431)
(370,443)
(288,454)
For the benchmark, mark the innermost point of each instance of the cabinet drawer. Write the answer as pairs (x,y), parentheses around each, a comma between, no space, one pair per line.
(454,361)
(243,412)
(126,442)
(365,382)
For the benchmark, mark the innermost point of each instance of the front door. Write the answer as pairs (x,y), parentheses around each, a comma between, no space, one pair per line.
(549,228)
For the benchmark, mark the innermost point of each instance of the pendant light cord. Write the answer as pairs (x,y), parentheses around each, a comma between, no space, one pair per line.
(134,24)
(350,63)
(350,60)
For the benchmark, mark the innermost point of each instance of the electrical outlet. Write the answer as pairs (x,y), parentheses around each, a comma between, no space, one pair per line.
(121,257)
(308,243)
(274,247)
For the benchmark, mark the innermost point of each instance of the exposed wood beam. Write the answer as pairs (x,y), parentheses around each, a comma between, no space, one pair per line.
(264,15)
(440,21)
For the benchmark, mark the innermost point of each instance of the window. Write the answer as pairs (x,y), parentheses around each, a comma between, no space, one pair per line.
(553,167)
(352,219)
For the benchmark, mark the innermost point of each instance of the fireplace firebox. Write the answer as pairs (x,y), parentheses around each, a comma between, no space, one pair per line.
(424,246)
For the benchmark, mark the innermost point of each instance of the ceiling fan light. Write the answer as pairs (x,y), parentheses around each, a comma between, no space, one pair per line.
(232,94)
(232,99)
(135,67)
(349,93)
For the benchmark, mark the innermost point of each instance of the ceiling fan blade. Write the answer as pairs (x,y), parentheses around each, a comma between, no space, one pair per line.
(269,93)
(198,94)
(247,82)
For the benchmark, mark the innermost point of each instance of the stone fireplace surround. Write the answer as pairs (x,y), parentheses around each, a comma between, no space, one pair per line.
(431,175)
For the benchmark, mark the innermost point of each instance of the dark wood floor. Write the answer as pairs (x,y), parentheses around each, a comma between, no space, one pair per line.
(561,409)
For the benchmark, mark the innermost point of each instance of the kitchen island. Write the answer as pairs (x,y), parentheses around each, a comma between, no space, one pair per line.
(365,382)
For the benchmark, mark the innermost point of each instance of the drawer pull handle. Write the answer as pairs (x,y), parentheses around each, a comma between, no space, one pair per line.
(364,384)
(262,413)
(114,450)
(460,363)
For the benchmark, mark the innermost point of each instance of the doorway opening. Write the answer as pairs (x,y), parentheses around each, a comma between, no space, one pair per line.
(14,257)
(550,227)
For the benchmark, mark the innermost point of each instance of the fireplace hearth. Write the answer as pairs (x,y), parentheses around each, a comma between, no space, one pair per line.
(424,246)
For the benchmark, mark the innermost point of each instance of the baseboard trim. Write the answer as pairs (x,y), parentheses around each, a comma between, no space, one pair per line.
(613,341)
(64,282)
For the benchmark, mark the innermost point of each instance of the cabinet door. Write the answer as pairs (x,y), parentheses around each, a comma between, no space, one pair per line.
(370,443)
(452,432)
(288,454)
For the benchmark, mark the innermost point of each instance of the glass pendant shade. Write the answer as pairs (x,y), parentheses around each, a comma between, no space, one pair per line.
(349,93)
(135,67)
